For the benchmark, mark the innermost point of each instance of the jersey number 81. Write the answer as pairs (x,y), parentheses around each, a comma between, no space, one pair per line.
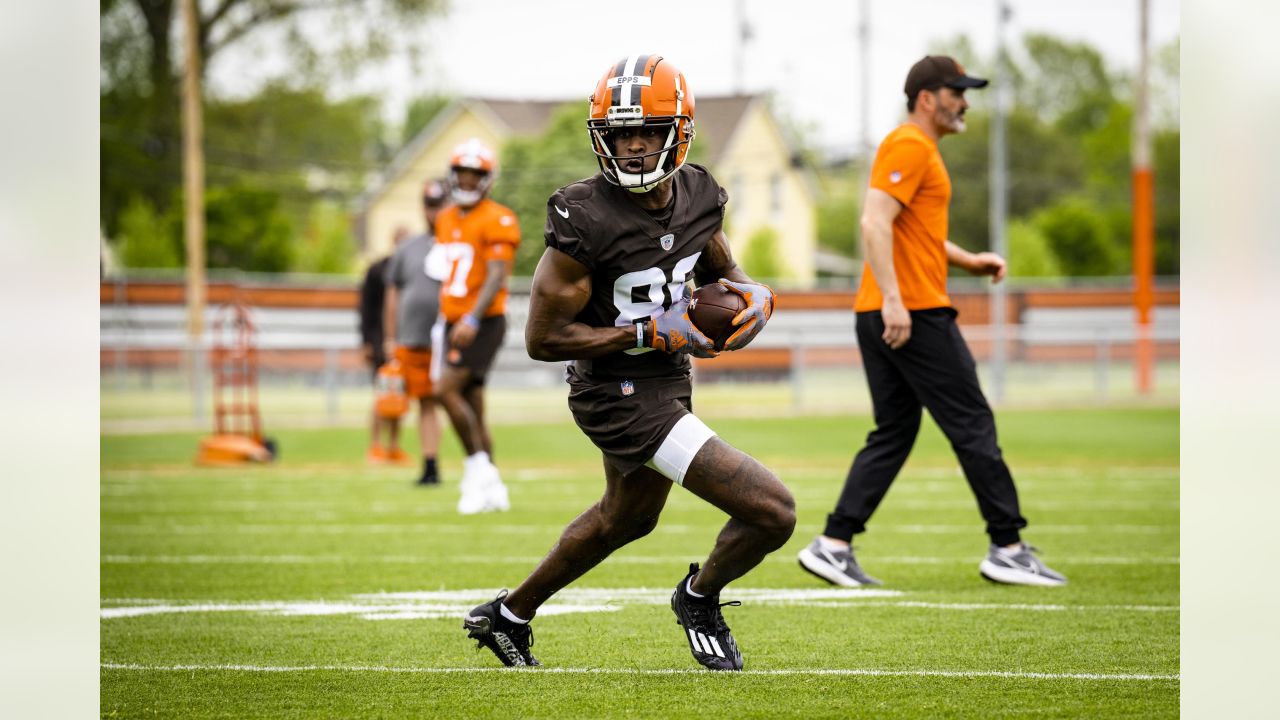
(653,281)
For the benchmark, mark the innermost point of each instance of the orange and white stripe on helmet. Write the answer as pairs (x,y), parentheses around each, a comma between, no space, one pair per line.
(642,90)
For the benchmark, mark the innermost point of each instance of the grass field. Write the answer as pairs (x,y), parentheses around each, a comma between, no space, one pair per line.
(319,587)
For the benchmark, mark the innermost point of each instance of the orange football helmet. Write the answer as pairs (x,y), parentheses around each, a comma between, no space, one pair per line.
(472,155)
(641,90)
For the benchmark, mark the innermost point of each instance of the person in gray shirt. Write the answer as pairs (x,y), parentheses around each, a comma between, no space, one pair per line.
(373,296)
(413,300)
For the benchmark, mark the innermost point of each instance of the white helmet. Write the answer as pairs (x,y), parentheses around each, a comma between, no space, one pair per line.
(471,155)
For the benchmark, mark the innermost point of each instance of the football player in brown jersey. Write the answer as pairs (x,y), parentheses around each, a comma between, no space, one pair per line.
(610,295)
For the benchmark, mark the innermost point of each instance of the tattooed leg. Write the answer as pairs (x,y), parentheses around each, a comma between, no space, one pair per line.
(761,512)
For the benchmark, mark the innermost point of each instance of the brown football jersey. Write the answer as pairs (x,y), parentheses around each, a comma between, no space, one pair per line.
(636,264)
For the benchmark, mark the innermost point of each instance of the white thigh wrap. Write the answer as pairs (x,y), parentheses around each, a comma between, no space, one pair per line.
(438,349)
(683,442)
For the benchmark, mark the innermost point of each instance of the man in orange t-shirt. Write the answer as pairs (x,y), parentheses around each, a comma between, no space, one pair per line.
(912,351)
(477,243)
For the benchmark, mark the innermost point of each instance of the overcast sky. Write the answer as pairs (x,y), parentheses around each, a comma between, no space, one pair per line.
(803,51)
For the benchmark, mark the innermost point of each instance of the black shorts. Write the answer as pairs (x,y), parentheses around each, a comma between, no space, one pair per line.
(629,419)
(478,356)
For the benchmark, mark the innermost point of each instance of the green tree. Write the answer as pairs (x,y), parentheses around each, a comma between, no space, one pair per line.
(1044,165)
(328,245)
(761,256)
(1107,153)
(1166,91)
(1080,238)
(1065,83)
(246,230)
(1168,153)
(1029,252)
(147,238)
(837,218)
(1069,135)
(532,168)
(295,143)
(141,54)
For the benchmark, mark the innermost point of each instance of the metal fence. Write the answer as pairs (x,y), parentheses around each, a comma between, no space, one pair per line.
(311,370)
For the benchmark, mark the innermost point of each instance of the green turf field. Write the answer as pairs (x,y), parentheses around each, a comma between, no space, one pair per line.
(319,587)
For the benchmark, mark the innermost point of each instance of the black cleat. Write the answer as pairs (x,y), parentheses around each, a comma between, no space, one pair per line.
(708,635)
(430,475)
(510,641)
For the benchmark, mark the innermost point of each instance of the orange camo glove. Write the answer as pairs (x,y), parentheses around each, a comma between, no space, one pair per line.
(674,332)
(752,319)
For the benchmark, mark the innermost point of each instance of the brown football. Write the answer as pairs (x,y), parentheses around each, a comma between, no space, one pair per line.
(712,311)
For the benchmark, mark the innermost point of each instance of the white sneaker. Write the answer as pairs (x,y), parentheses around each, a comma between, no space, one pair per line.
(1020,568)
(495,492)
(473,486)
(837,567)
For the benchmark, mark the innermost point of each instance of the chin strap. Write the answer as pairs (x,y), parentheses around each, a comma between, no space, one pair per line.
(647,186)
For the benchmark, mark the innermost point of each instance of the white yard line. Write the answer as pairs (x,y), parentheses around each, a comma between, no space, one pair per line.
(1101,505)
(853,672)
(434,604)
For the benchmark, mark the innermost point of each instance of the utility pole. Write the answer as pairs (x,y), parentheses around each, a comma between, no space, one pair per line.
(999,203)
(193,189)
(864,81)
(1144,260)
(863,154)
(743,35)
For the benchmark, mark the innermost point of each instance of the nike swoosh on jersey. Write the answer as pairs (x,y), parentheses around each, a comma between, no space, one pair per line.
(563,213)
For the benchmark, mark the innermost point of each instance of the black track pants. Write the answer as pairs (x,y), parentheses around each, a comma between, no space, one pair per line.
(934,370)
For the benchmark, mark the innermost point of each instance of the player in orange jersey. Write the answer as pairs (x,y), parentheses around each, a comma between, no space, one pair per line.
(478,239)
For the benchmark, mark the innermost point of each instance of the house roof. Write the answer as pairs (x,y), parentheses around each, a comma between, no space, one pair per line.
(716,119)
(522,117)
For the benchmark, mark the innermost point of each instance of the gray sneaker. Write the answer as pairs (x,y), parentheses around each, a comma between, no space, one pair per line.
(835,566)
(1021,568)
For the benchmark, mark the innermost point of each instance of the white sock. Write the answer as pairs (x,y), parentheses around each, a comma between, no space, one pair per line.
(477,459)
(1010,552)
(688,587)
(828,544)
(510,615)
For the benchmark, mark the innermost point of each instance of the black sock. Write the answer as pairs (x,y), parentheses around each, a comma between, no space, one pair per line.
(429,466)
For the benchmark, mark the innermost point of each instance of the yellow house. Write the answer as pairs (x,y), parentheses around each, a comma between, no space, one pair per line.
(740,141)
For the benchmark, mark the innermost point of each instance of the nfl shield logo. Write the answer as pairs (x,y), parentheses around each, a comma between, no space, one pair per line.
(628,388)
(667,241)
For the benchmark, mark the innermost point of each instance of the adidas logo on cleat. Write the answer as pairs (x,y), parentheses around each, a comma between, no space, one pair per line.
(708,645)
(710,640)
